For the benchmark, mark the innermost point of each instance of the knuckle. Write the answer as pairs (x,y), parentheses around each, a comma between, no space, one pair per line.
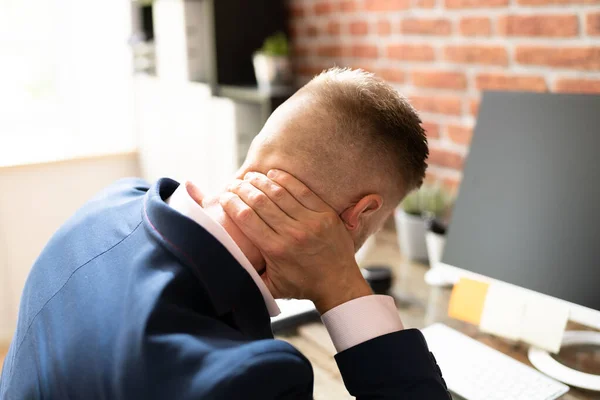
(276,250)
(283,180)
(300,237)
(236,185)
(254,179)
(244,215)
(278,193)
(316,225)
(258,199)
(305,193)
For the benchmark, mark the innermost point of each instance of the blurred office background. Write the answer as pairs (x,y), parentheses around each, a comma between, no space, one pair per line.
(91,91)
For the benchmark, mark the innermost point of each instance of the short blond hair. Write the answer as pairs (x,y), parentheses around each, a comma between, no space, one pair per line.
(374,113)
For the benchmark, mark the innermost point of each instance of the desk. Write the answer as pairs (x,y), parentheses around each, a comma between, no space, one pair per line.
(419,306)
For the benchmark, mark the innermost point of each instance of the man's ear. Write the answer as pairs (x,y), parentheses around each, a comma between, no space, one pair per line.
(354,216)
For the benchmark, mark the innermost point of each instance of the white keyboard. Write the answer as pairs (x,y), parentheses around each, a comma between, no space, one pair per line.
(477,372)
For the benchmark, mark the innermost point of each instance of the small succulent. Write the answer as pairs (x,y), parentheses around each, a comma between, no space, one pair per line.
(428,201)
(275,45)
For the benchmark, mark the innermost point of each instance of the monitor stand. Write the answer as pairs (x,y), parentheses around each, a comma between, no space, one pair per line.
(546,364)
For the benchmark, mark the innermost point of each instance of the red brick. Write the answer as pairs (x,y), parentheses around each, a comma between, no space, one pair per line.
(460,134)
(450,105)
(300,51)
(293,31)
(332,51)
(475,26)
(474,54)
(365,51)
(445,158)
(365,67)
(411,52)
(593,24)
(333,28)
(309,70)
(452,184)
(474,107)
(431,177)
(386,5)
(324,7)
(497,81)
(384,27)
(297,10)
(571,85)
(391,74)
(311,30)
(539,25)
(555,2)
(348,6)
(431,129)
(439,79)
(425,3)
(583,58)
(359,28)
(421,26)
(475,3)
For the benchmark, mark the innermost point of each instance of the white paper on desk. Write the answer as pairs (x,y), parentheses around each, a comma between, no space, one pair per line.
(503,311)
(544,323)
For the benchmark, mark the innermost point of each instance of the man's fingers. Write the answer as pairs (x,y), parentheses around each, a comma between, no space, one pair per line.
(247,220)
(299,190)
(194,192)
(279,195)
(266,209)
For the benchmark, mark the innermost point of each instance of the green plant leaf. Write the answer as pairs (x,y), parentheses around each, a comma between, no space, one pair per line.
(432,200)
(276,45)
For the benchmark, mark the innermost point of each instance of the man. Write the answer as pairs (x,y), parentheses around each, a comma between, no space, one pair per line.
(160,292)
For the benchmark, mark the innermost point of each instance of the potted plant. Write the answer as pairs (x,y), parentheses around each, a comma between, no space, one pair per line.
(272,65)
(429,202)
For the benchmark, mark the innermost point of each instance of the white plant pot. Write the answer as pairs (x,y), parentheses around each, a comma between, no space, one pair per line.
(435,247)
(272,73)
(411,235)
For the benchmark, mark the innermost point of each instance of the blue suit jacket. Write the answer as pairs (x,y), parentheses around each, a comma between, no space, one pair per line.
(132,300)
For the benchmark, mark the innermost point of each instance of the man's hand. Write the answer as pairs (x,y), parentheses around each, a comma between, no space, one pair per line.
(308,251)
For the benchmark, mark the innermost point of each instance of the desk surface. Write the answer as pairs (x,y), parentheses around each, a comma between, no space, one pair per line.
(419,306)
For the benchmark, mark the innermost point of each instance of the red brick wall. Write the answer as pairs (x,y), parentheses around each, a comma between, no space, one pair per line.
(443,53)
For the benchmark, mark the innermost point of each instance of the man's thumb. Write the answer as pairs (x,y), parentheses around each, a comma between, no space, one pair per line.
(194,192)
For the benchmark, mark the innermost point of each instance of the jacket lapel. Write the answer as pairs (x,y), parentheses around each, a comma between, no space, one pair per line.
(232,291)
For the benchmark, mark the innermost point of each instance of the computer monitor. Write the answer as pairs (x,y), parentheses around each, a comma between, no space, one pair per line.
(528,210)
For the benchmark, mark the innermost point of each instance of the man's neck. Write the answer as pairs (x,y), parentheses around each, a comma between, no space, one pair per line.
(212,207)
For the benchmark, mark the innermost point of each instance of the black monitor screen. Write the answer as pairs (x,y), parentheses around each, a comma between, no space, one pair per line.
(528,210)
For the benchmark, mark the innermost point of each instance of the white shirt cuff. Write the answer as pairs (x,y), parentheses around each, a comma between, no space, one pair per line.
(360,320)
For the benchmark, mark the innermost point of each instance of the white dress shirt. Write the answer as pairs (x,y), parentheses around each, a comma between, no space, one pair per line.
(348,324)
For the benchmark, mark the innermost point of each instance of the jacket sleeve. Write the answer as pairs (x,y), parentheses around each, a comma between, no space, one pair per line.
(398,365)
(274,375)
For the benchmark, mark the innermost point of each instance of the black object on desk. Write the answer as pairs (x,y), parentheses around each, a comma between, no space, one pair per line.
(379,277)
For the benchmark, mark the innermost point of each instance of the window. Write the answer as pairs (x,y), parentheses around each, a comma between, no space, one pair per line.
(66,79)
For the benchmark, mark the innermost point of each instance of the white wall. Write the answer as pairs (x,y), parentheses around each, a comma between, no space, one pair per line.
(182,132)
(185,133)
(34,201)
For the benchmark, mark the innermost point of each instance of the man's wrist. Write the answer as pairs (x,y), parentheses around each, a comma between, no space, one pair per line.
(342,293)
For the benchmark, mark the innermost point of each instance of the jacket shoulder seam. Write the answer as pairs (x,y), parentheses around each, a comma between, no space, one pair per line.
(61,287)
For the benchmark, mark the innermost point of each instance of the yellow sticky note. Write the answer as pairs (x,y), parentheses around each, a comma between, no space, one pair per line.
(467,300)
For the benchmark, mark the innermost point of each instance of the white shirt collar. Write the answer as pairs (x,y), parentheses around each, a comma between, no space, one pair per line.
(182,202)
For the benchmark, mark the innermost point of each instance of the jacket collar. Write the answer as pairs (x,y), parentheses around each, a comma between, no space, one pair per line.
(228,285)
